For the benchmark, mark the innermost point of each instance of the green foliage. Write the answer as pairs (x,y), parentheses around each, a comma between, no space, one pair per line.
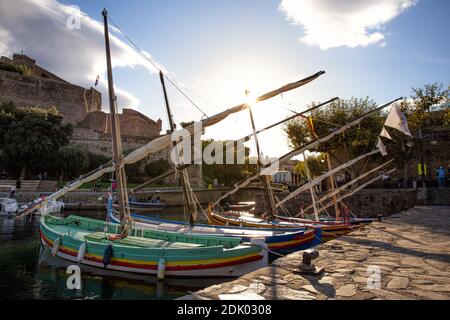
(316,163)
(18,68)
(134,172)
(96,160)
(428,107)
(30,138)
(228,174)
(156,168)
(186,124)
(71,161)
(343,147)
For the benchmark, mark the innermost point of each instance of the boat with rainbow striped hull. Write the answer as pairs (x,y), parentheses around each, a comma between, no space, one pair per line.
(278,241)
(329,230)
(148,251)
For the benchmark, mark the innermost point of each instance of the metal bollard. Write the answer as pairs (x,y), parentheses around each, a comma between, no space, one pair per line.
(307,258)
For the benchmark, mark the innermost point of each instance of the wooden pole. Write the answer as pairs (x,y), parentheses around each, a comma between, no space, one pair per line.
(115,130)
(265,179)
(333,186)
(188,199)
(311,191)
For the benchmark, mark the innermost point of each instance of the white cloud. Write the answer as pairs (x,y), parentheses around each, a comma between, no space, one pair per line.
(39,28)
(332,23)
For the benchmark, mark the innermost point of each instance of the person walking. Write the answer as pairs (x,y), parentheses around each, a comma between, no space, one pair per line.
(18,184)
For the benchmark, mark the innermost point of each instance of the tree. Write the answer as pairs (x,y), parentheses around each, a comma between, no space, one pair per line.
(17,68)
(156,168)
(186,124)
(316,163)
(30,137)
(427,107)
(71,161)
(228,174)
(343,147)
(135,172)
(96,160)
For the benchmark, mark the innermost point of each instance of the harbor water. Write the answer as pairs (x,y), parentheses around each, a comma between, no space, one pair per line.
(28,272)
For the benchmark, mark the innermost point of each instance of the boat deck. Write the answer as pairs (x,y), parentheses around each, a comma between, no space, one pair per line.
(140,242)
(131,241)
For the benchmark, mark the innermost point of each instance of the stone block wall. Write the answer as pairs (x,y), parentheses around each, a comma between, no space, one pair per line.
(100,143)
(438,196)
(73,102)
(132,123)
(365,203)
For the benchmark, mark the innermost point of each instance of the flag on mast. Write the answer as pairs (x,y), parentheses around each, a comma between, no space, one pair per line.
(397,120)
(311,127)
(381,147)
(384,133)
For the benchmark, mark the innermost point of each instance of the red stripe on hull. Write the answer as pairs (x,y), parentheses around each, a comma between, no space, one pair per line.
(293,244)
(155,267)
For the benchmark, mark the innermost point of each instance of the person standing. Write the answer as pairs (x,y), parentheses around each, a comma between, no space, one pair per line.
(386,180)
(441,177)
(12,193)
(18,184)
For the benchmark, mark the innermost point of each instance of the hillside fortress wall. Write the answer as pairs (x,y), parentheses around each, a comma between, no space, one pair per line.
(80,107)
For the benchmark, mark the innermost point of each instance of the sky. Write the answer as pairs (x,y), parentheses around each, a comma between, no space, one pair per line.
(215,50)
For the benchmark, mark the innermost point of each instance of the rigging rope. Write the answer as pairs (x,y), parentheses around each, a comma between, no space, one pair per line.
(156,67)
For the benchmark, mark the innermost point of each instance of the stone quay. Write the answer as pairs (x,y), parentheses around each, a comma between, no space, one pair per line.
(406,256)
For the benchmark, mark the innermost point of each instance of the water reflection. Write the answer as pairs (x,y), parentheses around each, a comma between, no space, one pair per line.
(28,272)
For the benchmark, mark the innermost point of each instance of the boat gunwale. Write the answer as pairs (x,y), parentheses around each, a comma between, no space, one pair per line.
(202,247)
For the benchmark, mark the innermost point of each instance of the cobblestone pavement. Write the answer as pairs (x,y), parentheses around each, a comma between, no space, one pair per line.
(411,251)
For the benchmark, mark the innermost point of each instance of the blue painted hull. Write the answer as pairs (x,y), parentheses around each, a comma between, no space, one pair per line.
(287,242)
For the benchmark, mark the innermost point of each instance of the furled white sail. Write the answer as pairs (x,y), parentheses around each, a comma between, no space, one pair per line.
(308,146)
(165,141)
(336,191)
(319,179)
(348,194)
(230,146)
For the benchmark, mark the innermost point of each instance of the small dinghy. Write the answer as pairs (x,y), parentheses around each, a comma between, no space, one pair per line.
(52,206)
(9,206)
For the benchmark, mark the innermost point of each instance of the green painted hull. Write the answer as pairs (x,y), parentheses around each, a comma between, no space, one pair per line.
(146,251)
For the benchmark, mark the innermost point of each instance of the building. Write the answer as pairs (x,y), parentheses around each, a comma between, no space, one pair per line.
(284,177)
(80,107)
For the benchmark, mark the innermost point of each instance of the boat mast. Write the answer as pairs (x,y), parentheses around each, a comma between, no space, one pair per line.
(301,149)
(265,178)
(333,187)
(115,131)
(189,200)
(311,190)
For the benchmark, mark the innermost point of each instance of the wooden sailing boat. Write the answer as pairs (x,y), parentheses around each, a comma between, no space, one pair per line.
(330,228)
(125,248)
(277,241)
